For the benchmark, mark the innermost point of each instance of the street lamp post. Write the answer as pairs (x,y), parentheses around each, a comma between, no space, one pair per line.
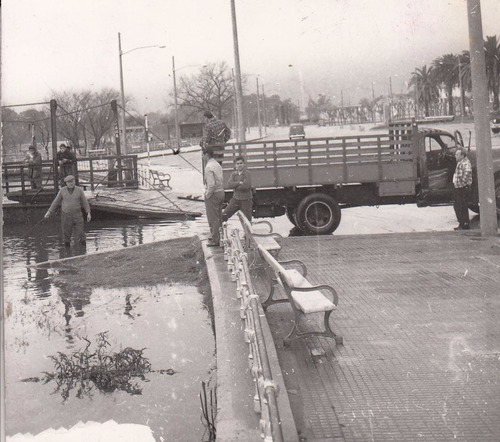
(258,107)
(122,90)
(177,134)
(239,90)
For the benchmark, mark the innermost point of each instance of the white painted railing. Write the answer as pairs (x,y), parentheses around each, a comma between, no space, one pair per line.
(266,389)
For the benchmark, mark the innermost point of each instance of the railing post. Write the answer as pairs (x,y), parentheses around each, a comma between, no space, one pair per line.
(53,130)
(91,167)
(23,186)
(6,178)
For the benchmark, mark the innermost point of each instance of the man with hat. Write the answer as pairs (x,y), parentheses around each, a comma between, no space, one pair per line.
(72,200)
(67,162)
(215,136)
(34,160)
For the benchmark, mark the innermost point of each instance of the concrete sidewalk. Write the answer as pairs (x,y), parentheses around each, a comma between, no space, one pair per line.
(420,317)
(236,418)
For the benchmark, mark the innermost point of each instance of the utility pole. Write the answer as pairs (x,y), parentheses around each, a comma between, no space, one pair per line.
(114,108)
(146,131)
(53,134)
(486,184)
(373,103)
(462,104)
(177,133)
(122,96)
(235,107)
(258,108)
(416,98)
(265,112)
(239,90)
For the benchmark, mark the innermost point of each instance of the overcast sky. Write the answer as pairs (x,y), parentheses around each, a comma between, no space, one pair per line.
(300,48)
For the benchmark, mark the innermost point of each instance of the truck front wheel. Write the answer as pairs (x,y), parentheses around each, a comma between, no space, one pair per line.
(318,214)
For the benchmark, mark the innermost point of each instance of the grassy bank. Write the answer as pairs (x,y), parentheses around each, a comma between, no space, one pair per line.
(176,261)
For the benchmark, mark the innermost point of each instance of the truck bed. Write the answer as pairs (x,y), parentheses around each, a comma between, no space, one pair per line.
(378,158)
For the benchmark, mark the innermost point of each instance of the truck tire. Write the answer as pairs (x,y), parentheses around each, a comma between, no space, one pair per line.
(291,214)
(318,214)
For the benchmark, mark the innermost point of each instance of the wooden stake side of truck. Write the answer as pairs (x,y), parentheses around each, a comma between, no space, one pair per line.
(311,180)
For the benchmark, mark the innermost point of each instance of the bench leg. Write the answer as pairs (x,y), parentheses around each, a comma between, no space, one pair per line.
(327,332)
(270,300)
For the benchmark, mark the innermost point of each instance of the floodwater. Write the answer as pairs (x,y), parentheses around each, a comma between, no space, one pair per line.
(43,317)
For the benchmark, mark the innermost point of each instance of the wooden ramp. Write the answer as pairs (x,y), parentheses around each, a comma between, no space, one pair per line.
(146,203)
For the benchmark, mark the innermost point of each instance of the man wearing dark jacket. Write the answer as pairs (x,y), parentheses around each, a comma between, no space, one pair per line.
(241,183)
(34,160)
(215,136)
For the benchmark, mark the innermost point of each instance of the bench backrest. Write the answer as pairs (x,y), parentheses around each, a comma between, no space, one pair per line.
(247,225)
(277,268)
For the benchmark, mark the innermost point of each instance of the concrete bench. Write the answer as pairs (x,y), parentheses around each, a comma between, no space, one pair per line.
(160,180)
(304,297)
(253,237)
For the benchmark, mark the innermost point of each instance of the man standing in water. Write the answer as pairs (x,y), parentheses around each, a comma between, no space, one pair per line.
(214,197)
(72,200)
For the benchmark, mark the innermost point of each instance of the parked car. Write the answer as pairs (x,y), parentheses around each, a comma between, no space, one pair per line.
(296,131)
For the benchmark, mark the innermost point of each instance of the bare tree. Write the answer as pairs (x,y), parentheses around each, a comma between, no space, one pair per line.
(85,117)
(211,89)
(99,117)
(71,114)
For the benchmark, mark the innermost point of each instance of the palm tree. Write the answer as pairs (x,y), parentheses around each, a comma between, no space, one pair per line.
(446,73)
(427,90)
(492,58)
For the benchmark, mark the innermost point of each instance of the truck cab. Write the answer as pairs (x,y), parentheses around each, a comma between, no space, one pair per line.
(436,166)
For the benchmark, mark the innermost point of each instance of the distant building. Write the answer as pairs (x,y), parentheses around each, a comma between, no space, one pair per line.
(191,130)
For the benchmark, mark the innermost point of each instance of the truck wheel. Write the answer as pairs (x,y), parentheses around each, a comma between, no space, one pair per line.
(291,214)
(318,214)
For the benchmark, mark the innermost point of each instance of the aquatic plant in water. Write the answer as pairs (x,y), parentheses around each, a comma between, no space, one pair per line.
(99,368)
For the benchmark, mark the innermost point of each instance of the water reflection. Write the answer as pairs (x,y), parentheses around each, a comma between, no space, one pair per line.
(74,302)
(44,316)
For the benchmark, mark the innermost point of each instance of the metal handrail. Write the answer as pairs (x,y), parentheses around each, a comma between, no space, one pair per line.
(265,398)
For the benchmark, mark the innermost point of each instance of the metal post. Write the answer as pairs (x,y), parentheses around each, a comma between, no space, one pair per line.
(462,104)
(123,134)
(2,306)
(258,108)
(486,184)
(114,108)
(373,103)
(53,134)
(236,123)
(147,138)
(265,111)
(239,90)
(416,98)
(177,134)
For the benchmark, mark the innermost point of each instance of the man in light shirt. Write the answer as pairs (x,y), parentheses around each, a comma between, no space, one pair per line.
(72,200)
(214,197)
(462,180)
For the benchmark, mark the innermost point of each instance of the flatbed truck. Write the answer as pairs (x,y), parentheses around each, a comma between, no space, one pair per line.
(312,180)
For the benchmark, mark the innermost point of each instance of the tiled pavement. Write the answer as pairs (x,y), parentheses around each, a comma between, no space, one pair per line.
(420,317)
